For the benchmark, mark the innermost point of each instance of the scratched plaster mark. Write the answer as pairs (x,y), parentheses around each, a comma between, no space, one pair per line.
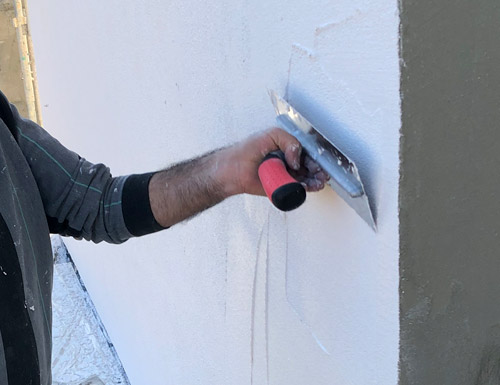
(225,286)
(260,308)
(304,51)
(288,79)
(254,295)
(333,24)
(301,51)
(266,309)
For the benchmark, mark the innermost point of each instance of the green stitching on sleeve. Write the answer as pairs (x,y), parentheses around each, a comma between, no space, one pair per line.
(57,163)
(64,169)
(113,204)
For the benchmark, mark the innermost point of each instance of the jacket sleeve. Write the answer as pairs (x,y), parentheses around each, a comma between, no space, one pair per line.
(82,199)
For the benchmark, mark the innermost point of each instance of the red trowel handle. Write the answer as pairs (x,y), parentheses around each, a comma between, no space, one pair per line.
(283,190)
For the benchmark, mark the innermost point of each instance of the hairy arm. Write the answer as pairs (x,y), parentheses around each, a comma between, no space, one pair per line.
(83,200)
(186,189)
(192,186)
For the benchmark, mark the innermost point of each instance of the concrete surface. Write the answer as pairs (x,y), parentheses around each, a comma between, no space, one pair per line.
(450,192)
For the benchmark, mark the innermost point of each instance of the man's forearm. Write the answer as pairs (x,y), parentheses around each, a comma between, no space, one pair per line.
(190,187)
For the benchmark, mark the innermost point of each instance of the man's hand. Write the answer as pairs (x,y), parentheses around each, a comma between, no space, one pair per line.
(245,158)
(190,187)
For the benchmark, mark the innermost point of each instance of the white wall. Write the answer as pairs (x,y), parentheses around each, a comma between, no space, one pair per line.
(242,294)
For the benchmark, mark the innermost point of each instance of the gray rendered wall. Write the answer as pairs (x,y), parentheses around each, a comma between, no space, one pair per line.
(449,192)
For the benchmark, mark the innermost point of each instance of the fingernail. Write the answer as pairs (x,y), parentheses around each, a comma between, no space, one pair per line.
(303,185)
(294,148)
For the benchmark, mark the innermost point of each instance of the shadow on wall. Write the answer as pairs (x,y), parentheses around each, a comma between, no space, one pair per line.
(343,137)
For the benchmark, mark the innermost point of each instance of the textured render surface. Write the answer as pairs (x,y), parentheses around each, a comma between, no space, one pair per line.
(241,294)
(449,198)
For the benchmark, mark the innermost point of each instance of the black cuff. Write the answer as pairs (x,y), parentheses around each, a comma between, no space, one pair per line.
(136,207)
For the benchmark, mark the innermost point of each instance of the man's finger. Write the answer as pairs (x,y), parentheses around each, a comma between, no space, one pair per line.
(289,145)
(312,184)
(311,165)
(322,176)
(292,155)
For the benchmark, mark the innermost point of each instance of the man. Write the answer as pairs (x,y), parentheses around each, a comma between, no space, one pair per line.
(45,188)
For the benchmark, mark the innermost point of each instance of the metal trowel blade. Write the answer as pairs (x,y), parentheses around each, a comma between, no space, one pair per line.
(344,175)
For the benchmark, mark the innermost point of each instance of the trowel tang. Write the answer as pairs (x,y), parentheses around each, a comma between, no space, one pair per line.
(280,187)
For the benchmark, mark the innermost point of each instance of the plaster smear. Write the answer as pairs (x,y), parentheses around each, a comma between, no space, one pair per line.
(345,291)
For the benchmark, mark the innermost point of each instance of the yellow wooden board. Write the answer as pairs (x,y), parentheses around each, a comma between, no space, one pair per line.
(17,67)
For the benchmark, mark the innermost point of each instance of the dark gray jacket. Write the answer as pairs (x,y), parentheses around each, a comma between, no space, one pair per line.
(45,188)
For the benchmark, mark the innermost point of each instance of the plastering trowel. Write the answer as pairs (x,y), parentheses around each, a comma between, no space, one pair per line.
(285,192)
